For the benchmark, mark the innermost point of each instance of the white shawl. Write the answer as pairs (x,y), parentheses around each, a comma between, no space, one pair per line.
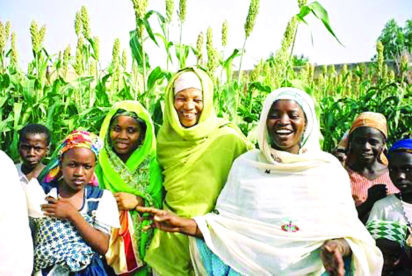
(274,216)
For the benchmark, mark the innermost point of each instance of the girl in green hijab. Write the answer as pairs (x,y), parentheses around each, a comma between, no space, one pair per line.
(195,150)
(128,167)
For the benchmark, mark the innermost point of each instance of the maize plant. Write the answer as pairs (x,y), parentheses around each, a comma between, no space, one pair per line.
(70,90)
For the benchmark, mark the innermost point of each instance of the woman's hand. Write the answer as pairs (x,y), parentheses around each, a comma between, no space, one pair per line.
(59,208)
(126,201)
(332,253)
(169,222)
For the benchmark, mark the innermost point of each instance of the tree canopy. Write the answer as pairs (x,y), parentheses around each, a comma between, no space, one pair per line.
(396,39)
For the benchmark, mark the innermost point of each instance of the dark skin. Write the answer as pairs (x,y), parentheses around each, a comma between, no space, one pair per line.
(124,136)
(365,146)
(286,123)
(188,104)
(340,153)
(391,252)
(33,148)
(77,166)
(400,171)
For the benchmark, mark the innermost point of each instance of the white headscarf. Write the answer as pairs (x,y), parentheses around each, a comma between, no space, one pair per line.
(310,153)
(187,80)
(277,208)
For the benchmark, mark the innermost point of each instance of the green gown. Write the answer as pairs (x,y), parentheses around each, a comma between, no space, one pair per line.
(195,162)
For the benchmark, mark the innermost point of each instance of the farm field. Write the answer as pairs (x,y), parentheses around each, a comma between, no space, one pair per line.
(69,89)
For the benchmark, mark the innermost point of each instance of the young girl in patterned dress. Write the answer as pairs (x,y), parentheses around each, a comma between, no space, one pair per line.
(74,232)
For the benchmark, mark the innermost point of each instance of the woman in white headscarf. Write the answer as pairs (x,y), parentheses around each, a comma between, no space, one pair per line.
(286,209)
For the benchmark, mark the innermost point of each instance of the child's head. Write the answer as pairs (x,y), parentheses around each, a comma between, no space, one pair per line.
(34,140)
(400,166)
(77,166)
(77,159)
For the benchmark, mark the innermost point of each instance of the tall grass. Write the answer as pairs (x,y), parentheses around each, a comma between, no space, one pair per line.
(65,92)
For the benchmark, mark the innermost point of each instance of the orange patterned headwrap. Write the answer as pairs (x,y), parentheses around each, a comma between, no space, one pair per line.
(375,120)
(370,119)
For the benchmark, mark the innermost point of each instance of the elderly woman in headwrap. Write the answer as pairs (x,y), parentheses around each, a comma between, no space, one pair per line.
(73,226)
(128,167)
(286,208)
(195,150)
(366,162)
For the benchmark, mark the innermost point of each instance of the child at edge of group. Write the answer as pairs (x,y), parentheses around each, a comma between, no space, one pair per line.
(73,229)
(391,217)
(33,146)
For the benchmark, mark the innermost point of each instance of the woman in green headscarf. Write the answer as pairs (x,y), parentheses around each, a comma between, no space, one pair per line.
(128,167)
(195,150)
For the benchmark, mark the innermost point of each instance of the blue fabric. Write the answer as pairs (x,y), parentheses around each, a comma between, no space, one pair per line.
(216,267)
(212,263)
(57,241)
(90,193)
(95,268)
(348,267)
(401,144)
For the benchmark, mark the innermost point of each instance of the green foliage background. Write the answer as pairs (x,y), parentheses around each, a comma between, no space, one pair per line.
(67,92)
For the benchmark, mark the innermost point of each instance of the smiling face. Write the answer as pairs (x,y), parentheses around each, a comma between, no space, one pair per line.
(77,167)
(124,136)
(188,104)
(286,123)
(400,171)
(365,145)
(32,149)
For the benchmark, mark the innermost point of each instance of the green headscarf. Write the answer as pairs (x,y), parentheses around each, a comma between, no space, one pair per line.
(140,175)
(195,162)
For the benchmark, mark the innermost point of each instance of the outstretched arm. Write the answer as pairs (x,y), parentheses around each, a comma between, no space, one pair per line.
(332,253)
(169,222)
(63,209)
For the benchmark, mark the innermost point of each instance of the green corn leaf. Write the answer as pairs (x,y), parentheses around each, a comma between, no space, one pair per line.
(319,11)
(149,31)
(155,76)
(137,50)
(17,112)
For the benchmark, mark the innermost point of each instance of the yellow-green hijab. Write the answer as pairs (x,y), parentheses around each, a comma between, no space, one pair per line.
(195,162)
(177,144)
(140,175)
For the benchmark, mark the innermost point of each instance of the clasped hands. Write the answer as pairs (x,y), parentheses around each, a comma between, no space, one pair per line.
(126,201)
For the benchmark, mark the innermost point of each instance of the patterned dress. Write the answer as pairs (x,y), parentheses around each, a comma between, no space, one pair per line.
(361,184)
(59,246)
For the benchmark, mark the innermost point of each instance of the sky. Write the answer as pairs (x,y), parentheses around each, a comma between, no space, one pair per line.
(356,23)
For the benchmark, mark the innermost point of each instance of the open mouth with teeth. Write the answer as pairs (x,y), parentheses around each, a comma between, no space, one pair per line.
(78,181)
(283,132)
(189,116)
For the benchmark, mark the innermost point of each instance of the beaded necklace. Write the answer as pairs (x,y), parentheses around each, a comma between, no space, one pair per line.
(409,238)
